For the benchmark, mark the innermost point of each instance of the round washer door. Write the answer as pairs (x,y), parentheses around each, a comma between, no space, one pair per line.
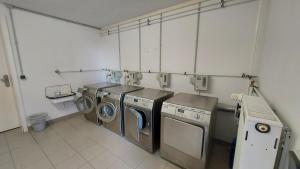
(106,112)
(85,103)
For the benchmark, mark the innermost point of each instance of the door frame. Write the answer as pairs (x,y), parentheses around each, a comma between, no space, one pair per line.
(10,55)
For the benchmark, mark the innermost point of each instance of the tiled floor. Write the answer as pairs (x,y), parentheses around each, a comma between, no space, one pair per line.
(78,144)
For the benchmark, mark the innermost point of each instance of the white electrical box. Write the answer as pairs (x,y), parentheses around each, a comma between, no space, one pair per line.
(114,76)
(259,135)
(133,78)
(200,82)
(164,79)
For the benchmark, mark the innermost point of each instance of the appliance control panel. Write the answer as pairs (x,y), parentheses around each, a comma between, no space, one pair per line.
(197,115)
(109,95)
(138,101)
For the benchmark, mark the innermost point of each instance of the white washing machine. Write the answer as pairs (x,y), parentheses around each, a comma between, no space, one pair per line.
(187,123)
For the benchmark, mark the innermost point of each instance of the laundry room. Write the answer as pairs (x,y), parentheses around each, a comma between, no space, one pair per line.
(137,84)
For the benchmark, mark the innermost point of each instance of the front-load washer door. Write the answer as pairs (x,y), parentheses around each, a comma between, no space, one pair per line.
(106,112)
(85,103)
(184,137)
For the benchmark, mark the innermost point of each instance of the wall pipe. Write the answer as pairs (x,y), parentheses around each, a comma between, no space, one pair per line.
(51,16)
(157,20)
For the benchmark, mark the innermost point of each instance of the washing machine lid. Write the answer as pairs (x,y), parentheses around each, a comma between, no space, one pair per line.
(122,89)
(106,112)
(151,94)
(194,101)
(97,86)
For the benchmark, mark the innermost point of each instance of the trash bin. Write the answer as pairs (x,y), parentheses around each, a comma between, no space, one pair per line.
(38,121)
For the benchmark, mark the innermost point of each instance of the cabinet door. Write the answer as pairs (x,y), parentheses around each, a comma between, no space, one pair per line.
(150,47)
(178,44)
(109,52)
(129,43)
(226,39)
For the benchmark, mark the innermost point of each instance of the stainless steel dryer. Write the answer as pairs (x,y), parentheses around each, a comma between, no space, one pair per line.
(110,111)
(187,123)
(142,117)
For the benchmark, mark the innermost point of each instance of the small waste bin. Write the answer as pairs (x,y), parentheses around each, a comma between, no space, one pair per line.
(38,121)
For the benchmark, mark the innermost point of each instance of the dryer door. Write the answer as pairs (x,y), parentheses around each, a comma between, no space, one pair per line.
(174,131)
(85,103)
(106,112)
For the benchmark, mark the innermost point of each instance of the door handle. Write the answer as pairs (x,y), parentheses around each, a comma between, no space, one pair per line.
(5,80)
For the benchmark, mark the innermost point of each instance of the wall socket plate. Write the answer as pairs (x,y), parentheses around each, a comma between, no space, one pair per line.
(200,82)
(164,79)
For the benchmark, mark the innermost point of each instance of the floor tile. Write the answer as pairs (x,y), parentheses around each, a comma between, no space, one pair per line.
(153,162)
(22,162)
(92,152)
(43,163)
(119,165)
(3,144)
(7,166)
(86,166)
(104,161)
(74,162)
(57,146)
(134,156)
(61,155)
(5,158)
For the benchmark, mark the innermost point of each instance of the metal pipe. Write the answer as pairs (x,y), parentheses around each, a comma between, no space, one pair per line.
(140,47)
(197,40)
(160,41)
(57,71)
(119,46)
(243,75)
(22,76)
(130,27)
(51,16)
(149,16)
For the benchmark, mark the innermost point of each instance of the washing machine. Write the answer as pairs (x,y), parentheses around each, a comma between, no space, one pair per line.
(88,101)
(142,117)
(187,127)
(110,111)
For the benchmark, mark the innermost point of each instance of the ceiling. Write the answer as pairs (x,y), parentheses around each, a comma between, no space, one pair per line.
(98,13)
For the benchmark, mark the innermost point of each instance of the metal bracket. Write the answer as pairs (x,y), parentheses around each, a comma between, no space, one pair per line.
(222,3)
(148,21)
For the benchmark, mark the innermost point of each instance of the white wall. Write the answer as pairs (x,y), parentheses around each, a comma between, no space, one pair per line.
(279,69)
(226,38)
(47,44)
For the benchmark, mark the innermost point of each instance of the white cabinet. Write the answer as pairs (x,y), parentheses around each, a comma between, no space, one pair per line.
(129,43)
(226,39)
(150,47)
(178,44)
(109,51)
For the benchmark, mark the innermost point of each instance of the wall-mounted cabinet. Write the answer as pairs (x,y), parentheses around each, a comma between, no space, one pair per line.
(110,49)
(226,38)
(178,44)
(150,47)
(129,43)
